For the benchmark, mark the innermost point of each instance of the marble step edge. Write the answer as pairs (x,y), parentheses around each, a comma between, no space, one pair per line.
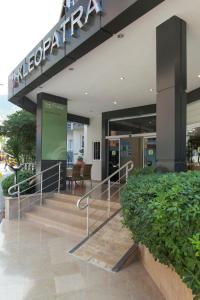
(95,216)
(101,204)
(46,222)
(60,217)
(68,207)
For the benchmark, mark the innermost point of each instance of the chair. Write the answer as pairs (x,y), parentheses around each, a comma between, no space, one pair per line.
(86,175)
(76,174)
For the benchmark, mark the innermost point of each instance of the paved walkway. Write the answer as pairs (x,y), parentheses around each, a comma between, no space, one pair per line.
(35,265)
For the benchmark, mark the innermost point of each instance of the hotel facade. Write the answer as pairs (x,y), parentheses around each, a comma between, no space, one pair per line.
(128,72)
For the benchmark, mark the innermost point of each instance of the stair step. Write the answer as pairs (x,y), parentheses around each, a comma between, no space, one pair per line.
(61,216)
(64,197)
(66,218)
(95,203)
(64,206)
(46,220)
(67,207)
(61,213)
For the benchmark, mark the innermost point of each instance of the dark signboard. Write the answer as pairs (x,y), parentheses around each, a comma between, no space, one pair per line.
(84,24)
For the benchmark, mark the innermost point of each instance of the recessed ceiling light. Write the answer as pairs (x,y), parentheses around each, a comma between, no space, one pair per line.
(115,102)
(120,36)
(122,77)
(199,75)
(151,90)
(86,93)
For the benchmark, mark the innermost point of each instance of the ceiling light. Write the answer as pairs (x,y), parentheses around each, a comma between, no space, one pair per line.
(151,90)
(199,75)
(71,69)
(115,102)
(122,78)
(120,36)
(86,93)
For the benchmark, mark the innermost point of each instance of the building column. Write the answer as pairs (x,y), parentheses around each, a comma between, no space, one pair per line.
(171,94)
(51,138)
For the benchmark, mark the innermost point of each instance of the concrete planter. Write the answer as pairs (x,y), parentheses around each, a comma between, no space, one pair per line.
(11,205)
(27,203)
(167,280)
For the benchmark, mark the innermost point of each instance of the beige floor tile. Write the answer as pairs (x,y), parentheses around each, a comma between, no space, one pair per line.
(69,283)
(34,265)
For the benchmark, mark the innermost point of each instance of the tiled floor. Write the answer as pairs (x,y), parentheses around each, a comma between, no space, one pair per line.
(34,264)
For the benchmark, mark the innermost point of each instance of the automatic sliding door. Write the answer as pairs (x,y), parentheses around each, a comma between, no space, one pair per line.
(141,150)
(131,149)
(138,152)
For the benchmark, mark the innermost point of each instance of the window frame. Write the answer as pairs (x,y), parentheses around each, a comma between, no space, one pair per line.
(95,153)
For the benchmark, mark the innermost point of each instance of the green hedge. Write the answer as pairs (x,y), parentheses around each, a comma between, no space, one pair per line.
(22,175)
(163,213)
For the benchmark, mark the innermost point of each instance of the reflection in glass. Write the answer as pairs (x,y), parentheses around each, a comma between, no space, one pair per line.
(139,125)
(75,142)
(193,147)
(149,152)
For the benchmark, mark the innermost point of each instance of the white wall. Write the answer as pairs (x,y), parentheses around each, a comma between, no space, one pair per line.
(91,133)
(77,134)
(193,113)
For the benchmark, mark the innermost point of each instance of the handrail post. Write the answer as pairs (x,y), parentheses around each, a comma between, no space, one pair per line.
(41,189)
(59,177)
(126,173)
(106,180)
(109,196)
(88,231)
(19,203)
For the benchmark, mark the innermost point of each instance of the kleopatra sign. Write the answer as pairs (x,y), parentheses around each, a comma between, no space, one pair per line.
(76,19)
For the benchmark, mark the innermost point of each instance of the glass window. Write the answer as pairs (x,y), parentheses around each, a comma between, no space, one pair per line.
(75,141)
(96,150)
(139,125)
(193,147)
(70,145)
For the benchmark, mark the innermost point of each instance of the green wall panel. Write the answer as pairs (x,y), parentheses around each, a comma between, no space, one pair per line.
(54,131)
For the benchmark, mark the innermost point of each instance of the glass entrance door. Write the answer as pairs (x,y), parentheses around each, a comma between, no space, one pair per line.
(113,157)
(141,150)
(131,148)
(149,152)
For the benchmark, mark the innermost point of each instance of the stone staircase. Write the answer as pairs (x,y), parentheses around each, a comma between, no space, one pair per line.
(60,214)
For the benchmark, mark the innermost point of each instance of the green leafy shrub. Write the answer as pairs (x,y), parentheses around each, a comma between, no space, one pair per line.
(163,213)
(22,175)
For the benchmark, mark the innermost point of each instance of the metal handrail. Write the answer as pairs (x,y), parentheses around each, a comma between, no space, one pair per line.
(127,167)
(104,181)
(16,186)
(18,192)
